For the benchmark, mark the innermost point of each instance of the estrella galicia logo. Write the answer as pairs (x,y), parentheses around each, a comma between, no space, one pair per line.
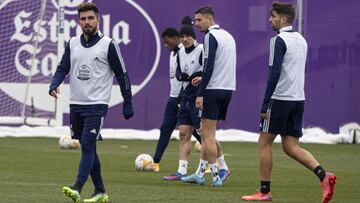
(84,72)
(22,58)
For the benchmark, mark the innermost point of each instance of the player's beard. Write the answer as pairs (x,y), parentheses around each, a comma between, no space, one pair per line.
(274,27)
(89,30)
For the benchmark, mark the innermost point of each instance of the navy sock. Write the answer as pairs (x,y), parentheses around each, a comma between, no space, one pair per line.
(99,190)
(320,172)
(265,187)
(78,186)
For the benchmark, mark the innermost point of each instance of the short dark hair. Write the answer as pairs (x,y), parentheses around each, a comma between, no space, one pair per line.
(170,32)
(206,10)
(83,7)
(285,9)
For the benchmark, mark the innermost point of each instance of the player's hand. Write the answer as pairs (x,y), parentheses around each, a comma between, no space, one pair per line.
(199,102)
(184,76)
(196,81)
(265,116)
(55,93)
(128,111)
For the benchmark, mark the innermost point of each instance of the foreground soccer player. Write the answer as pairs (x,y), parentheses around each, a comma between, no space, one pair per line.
(90,59)
(215,91)
(283,105)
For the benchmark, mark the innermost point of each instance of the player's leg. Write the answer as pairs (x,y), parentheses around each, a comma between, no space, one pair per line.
(265,167)
(290,142)
(269,128)
(90,162)
(224,98)
(209,116)
(218,104)
(292,148)
(99,194)
(207,131)
(327,179)
(167,127)
(76,126)
(265,160)
(198,176)
(95,175)
(185,131)
(89,137)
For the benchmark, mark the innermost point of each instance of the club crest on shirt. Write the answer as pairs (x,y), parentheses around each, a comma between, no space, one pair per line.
(84,72)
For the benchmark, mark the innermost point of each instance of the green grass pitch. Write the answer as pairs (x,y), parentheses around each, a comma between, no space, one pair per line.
(35,170)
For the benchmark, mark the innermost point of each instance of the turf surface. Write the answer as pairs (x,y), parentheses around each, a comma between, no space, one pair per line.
(35,170)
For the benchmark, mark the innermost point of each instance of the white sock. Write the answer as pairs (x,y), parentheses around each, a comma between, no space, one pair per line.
(182,167)
(214,170)
(222,163)
(202,168)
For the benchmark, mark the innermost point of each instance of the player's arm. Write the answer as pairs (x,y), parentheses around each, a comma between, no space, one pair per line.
(61,71)
(277,52)
(180,76)
(117,65)
(210,45)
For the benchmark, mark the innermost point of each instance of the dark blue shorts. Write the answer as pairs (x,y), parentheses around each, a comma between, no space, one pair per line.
(188,114)
(215,104)
(86,121)
(285,118)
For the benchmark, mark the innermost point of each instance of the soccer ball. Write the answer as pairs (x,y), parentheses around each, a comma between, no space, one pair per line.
(66,142)
(144,162)
(197,146)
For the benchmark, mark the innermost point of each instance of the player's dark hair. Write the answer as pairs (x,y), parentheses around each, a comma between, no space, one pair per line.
(285,9)
(88,6)
(170,32)
(206,10)
(187,27)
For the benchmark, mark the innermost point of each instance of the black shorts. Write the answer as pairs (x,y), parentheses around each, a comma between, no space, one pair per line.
(285,118)
(86,121)
(188,114)
(215,104)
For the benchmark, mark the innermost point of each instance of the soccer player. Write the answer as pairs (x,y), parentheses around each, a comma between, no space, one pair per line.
(90,59)
(283,105)
(189,66)
(171,39)
(215,90)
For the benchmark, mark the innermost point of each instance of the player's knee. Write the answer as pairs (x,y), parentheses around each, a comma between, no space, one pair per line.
(183,135)
(263,143)
(165,132)
(203,131)
(290,151)
(87,148)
